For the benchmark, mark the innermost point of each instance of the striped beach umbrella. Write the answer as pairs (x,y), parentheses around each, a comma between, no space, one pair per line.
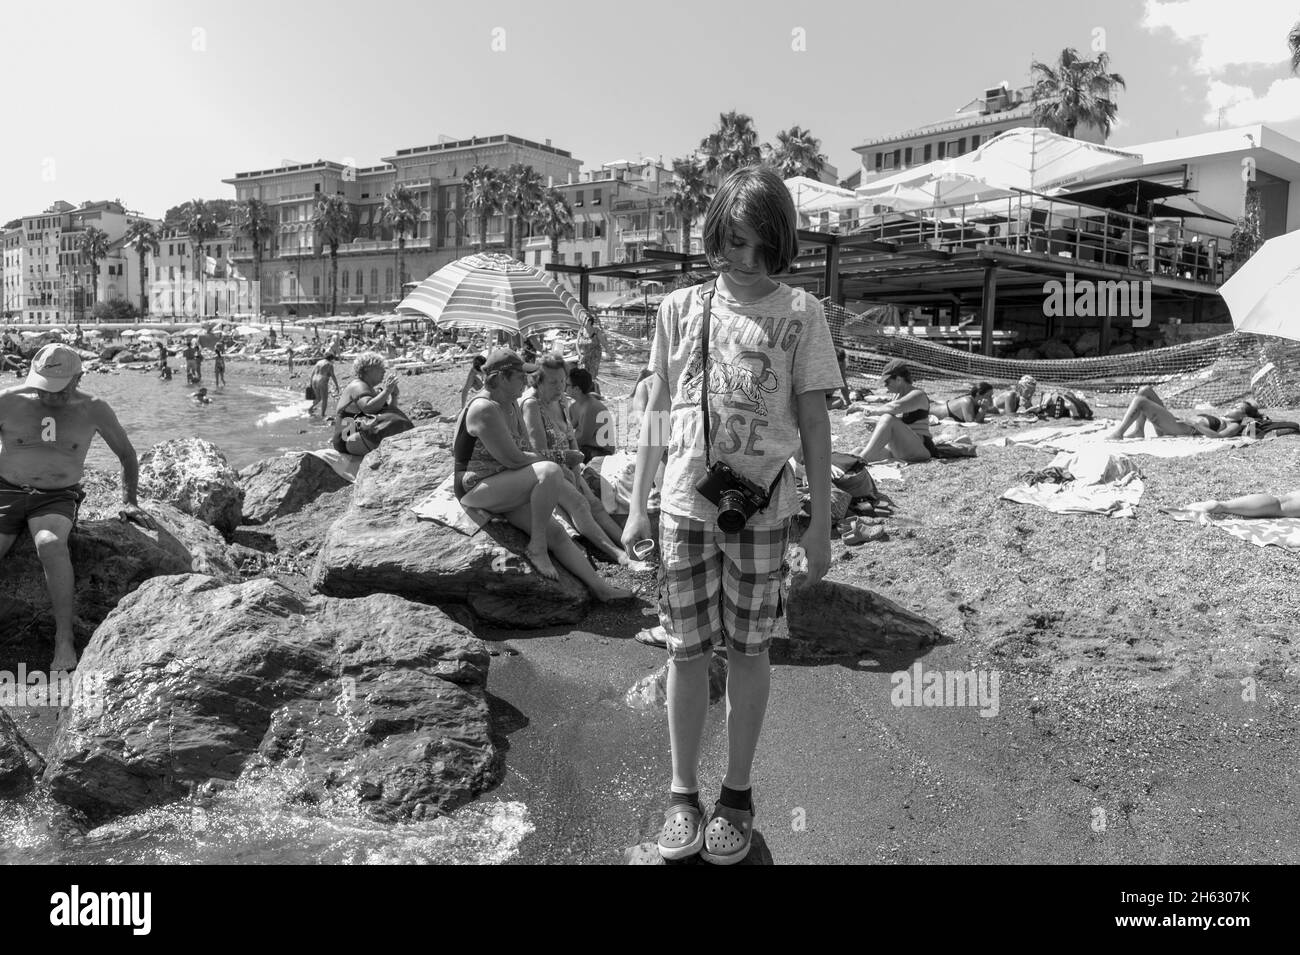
(491,290)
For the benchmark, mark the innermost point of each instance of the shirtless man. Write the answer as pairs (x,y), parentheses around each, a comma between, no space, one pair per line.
(46,426)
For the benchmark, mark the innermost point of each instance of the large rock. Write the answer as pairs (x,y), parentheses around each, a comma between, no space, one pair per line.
(1056,350)
(374,704)
(380,546)
(285,485)
(829,618)
(19,763)
(110,558)
(192,474)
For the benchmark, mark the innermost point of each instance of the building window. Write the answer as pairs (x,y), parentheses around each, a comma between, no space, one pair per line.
(975,142)
(345,275)
(560,258)
(599,229)
(388,282)
(218,251)
(361,289)
(928,153)
(537,257)
(171,248)
(888,162)
(315,286)
(171,273)
(577,258)
(374,281)
(595,260)
(577,198)
(907,156)
(952,148)
(595,197)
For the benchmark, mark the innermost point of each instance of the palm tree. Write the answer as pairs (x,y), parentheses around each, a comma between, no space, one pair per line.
(201,225)
(94,246)
(798,153)
(401,213)
(143,234)
(1075,91)
(732,145)
(689,195)
(335,223)
(256,223)
(484,197)
(520,200)
(554,219)
(1293,41)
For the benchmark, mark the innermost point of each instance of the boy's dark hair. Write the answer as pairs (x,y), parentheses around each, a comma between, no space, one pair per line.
(581,378)
(756,196)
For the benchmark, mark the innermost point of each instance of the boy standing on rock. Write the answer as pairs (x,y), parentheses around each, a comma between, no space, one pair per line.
(764,373)
(46,426)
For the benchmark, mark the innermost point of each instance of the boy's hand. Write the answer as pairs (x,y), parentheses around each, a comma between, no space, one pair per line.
(638,528)
(817,546)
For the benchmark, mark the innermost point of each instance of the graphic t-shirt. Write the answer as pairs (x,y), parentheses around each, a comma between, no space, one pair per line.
(762,355)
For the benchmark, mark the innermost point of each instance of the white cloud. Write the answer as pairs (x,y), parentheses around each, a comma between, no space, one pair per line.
(1242,107)
(1225,34)
(1226,37)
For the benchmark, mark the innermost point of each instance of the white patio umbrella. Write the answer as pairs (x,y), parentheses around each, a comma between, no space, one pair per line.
(1032,159)
(249,330)
(1264,294)
(491,290)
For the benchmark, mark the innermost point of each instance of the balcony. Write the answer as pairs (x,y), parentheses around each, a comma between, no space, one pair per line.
(638,236)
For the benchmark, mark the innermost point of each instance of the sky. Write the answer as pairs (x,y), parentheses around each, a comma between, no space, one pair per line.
(154,102)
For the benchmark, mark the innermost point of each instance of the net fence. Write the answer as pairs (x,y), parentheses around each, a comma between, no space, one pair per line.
(1215,371)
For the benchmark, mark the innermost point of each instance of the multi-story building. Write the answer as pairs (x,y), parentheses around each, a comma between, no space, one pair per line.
(11,271)
(619,211)
(999,109)
(295,266)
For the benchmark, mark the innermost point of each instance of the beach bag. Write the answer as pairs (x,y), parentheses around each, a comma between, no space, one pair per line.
(365,431)
(1266,427)
(856,480)
(309,393)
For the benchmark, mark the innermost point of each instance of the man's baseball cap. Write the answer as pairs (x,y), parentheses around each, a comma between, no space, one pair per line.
(503,359)
(53,367)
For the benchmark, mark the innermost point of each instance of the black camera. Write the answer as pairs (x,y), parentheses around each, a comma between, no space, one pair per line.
(737,498)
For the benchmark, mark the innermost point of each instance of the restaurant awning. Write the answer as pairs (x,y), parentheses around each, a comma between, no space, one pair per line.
(1119,194)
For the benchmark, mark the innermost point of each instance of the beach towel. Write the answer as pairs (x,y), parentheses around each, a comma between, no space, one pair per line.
(1093,435)
(345,466)
(1281,532)
(441,506)
(1103,483)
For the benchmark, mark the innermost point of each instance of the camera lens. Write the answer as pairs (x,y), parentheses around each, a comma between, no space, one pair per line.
(731,512)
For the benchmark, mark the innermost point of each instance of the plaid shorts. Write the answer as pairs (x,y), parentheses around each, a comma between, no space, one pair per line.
(714,584)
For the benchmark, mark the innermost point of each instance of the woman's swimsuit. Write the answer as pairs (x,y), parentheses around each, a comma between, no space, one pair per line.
(919,422)
(1211,421)
(473,460)
(349,410)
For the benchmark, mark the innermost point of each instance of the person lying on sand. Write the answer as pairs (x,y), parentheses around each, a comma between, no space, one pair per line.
(1253,505)
(903,429)
(972,406)
(1019,399)
(1147,406)
(494,474)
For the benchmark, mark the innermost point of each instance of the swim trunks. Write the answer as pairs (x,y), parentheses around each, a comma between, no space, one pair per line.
(20,503)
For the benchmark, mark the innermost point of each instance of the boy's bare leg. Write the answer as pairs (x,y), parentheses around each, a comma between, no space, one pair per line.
(749,680)
(688,708)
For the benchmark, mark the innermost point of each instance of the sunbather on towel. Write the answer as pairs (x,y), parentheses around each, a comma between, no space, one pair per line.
(1253,505)
(1019,399)
(1147,406)
(972,406)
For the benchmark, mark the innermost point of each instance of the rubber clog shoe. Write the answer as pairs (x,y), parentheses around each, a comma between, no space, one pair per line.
(728,835)
(683,833)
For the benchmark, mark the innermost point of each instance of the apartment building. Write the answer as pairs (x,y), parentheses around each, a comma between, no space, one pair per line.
(295,264)
(999,109)
(11,271)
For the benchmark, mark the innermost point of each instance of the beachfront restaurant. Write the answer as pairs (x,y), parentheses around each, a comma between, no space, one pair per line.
(1124,248)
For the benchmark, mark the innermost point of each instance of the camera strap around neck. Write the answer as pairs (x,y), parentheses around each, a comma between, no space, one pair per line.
(707,296)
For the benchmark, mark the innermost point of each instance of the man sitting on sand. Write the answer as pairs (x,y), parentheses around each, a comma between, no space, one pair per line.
(1147,406)
(46,427)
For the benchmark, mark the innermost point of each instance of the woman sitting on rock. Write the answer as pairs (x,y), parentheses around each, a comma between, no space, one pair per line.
(1019,399)
(549,433)
(972,406)
(367,410)
(1147,406)
(903,429)
(494,474)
